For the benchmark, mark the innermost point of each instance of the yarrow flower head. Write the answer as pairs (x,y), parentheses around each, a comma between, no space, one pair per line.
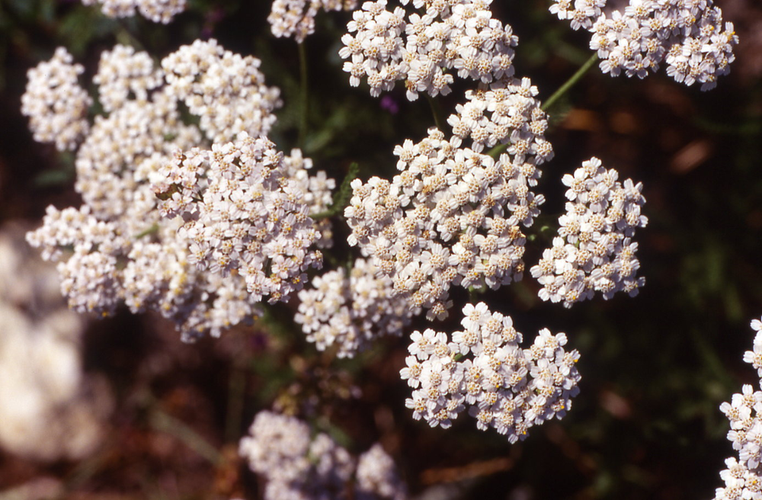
(158,11)
(743,477)
(451,217)
(484,368)
(296,18)
(242,214)
(456,37)
(594,250)
(55,102)
(686,34)
(225,89)
(295,465)
(118,248)
(505,113)
(351,311)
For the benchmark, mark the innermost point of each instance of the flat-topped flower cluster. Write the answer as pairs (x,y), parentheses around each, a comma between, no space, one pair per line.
(484,368)
(594,250)
(425,48)
(687,35)
(349,312)
(743,477)
(297,465)
(242,215)
(451,217)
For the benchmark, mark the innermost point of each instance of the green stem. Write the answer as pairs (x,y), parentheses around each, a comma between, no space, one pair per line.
(436,110)
(304,95)
(495,151)
(570,82)
(168,424)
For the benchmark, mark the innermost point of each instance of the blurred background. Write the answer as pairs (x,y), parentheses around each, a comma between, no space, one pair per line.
(119,408)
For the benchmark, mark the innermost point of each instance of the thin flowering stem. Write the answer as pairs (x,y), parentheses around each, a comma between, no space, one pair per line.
(342,196)
(304,94)
(500,148)
(436,111)
(570,82)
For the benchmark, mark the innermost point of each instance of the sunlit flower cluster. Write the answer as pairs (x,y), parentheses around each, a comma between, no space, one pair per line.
(241,215)
(451,217)
(484,368)
(426,48)
(295,465)
(743,477)
(55,102)
(158,11)
(350,312)
(226,90)
(117,247)
(594,251)
(686,34)
(296,18)
(506,112)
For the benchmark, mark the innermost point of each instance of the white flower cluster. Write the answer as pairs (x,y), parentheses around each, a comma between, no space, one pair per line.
(594,251)
(158,11)
(225,89)
(456,36)
(55,102)
(377,476)
(507,388)
(242,215)
(125,75)
(117,247)
(350,312)
(296,466)
(296,18)
(505,113)
(317,191)
(686,34)
(451,217)
(743,477)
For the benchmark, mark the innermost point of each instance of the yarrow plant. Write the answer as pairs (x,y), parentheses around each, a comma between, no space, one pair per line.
(190,209)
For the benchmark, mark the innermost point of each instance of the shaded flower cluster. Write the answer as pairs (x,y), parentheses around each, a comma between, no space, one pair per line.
(241,215)
(296,18)
(483,367)
(686,34)
(743,477)
(594,251)
(296,465)
(451,217)
(350,312)
(158,11)
(55,102)
(456,37)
